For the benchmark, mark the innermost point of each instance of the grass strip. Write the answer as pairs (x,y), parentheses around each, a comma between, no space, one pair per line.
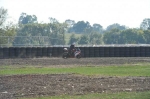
(137,70)
(120,95)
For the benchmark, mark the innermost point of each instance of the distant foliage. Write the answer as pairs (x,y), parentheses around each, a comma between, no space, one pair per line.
(80,26)
(84,39)
(26,19)
(3,16)
(6,28)
(73,39)
(145,24)
(115,26)
(53,33)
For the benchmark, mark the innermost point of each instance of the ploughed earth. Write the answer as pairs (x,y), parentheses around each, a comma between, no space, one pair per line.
(16,86)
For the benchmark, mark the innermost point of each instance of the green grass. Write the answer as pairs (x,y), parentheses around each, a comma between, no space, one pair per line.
(67,36)
(125,70)
(121,95)
(136,70)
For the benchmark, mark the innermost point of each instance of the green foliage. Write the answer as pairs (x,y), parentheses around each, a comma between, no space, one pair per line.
(3,16)
(119,95)
(73,39)
(58,33)
(70,24)
(53,20)
(95,38)
(84,39)
(114,34)
(80,26)
(115,26)
(7,34)
(147,36)
(145,24)
(112,37)
(88,30)
(128,70)
(98,28)
(28,30)
(83,27)
(25,19)
(68,35)
(128,36)
(6,30)
(53,34)
(132,36)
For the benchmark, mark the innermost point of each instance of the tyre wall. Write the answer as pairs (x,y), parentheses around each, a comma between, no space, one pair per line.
(103,51)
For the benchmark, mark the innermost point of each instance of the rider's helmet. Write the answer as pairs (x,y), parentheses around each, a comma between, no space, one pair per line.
(65,49)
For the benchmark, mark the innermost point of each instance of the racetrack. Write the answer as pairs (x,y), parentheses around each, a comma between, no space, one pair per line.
(37,85)
(75,62)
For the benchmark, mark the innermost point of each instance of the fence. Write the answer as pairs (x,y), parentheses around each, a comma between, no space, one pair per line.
(99,51)
(29,41)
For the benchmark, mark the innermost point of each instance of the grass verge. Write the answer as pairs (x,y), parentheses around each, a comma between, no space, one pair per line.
(137,70)
(121,95)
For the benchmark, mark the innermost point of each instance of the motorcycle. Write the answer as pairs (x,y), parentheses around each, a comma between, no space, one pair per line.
(75,53)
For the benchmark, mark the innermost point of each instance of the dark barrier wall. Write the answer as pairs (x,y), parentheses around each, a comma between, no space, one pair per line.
(1,53)
(6,52)
(28,52)
(39,52)
(44,51)
(147,51)
(103,51)
(12,54)
(86,51)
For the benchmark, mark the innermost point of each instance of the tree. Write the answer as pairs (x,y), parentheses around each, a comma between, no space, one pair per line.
(73,39)
(88,30)
(131,36)
(40,34)
(95,38)
(70,24)
(9,29)
(84,39)
(140,38)
(112,36)
(117,26)
(26,34)
(98,28)
(57,34)
(145,24)
(7,34)
(25,19)
(53,20)
(80,26)
(147,36)
(3,16)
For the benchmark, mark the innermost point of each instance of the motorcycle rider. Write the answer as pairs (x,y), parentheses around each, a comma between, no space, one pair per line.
(72,49)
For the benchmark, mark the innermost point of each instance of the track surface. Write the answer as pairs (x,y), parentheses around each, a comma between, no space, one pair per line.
(74,62)
(12,87)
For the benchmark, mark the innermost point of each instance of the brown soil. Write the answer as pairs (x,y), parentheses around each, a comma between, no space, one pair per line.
(74,62)
(14,86)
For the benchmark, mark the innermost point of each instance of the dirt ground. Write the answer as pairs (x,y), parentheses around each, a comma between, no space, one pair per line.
(74,62)
(16,86)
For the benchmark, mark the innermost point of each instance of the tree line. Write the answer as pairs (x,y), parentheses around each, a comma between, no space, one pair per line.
(54,32)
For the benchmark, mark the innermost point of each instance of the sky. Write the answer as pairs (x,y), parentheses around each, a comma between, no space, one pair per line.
(104,12)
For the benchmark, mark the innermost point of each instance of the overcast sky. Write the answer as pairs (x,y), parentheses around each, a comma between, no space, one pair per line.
(105,12)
